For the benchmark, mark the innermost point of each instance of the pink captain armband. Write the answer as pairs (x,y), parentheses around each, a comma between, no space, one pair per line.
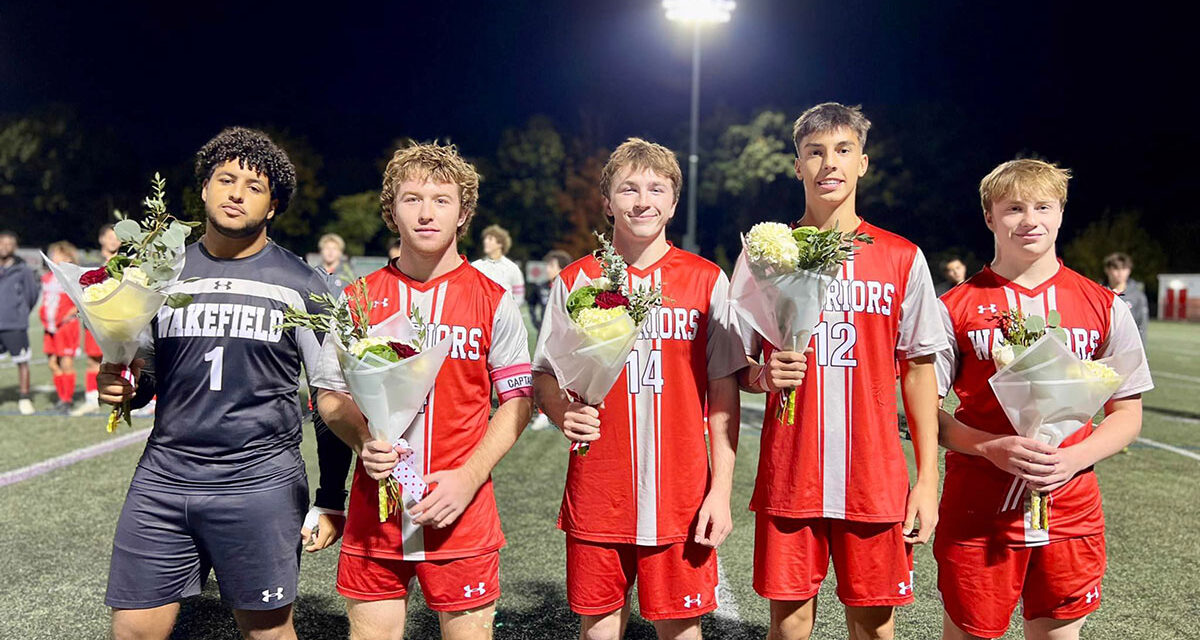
(513,382)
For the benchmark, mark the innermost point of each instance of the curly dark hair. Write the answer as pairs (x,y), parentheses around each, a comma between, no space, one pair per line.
(254,150)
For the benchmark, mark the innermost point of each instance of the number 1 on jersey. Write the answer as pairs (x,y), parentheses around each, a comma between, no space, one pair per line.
(217,358)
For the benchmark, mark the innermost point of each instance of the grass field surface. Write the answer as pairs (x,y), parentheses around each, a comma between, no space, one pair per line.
(56,532)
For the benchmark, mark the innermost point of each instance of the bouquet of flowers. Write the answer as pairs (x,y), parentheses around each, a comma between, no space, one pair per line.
(1047,392)
(118,300)
(781,281)
(589,339)
(390,370)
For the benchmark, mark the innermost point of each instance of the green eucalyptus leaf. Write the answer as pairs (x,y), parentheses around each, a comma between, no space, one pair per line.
(128,230)
(178,300)
(1060,334)
(1053,319)
(1035,324)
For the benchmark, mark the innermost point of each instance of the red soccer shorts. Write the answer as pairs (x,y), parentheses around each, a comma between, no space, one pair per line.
(872,561)
(459,584)
(63,343)
(674,581)
(981,586)
(90,347)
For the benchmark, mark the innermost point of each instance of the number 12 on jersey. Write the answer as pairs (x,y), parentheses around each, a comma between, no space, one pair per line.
(834,344)
(649,376)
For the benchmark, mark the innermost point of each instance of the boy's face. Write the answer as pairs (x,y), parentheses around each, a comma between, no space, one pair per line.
(109,242)
(8,246)
(1025,226)
(1117,276)
(237,200)
(427,215)
(331,253)
(641,203)
(956,271)
(491,246)
(59,257)
(552,270)
(829,165)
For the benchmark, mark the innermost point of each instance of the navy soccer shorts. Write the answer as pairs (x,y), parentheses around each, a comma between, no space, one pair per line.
(166,543)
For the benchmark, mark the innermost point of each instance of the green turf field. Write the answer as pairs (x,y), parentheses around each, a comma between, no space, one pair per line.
(56,532)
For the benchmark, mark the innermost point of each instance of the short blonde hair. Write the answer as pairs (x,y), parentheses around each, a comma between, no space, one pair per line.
(1024,177)
(501,235)
(66,248)
(334,238)
(429,161)
(638,154)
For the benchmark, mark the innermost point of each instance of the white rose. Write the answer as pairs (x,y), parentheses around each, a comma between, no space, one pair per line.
(602,283)
(1003,355)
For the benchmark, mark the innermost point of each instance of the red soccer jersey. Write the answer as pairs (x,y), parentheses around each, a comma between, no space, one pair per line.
(56,304)
(643,481)
(490,348)
(842,457)
(980,502)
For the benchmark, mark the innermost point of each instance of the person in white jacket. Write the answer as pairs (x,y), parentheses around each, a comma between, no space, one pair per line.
(496,266)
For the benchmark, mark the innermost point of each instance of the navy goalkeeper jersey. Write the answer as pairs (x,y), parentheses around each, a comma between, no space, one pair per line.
(227,418)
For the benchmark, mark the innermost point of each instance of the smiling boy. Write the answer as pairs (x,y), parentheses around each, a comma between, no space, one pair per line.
(650,502)
(989,555)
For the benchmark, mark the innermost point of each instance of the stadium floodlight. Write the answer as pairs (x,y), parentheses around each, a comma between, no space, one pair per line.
(696,13)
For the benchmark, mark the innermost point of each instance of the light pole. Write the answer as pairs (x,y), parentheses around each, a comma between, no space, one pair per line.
(697,13)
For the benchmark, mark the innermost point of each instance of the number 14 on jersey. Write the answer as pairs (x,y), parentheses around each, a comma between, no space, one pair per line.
(639,376)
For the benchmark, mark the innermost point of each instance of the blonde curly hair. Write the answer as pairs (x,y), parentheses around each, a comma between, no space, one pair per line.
(429,161)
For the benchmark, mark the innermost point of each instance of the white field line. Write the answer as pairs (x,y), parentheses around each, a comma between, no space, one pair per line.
(68,459)
(1174,376)
(726,603)
(1167,447)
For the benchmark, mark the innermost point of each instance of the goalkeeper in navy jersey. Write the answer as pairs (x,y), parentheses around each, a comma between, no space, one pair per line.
(221,484)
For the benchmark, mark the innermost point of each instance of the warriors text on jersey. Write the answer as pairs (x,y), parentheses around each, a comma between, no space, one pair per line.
(980,502)
(228,412)
(643,481)
(490,349)
(842,458)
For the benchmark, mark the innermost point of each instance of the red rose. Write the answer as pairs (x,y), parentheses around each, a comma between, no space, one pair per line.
(402,350)
(611,300)
(95,276)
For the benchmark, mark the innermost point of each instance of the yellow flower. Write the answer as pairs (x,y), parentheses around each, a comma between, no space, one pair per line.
(100,290)
(771,244)
(599,325)
(359,347)
(1101,373)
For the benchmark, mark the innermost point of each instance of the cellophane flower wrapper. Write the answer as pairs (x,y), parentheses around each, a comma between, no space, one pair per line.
(1049,393)
(391,394)
(588,361)
(118,319)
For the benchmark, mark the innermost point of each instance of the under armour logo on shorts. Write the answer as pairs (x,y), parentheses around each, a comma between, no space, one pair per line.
(906,587)
(223,285)
(987,307)
(689,602)
(474,592)
(267,595)
(1093,595)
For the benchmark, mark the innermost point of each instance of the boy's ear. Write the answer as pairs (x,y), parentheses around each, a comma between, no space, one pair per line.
(862,166)
(204,191)
(271,211)
(798,174)
(607,207)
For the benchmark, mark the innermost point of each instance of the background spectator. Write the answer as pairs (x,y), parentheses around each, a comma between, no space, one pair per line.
(954,271)
(19,291)
(61,324)
(333,260)
(497,267)
(539,294)
(1117,267)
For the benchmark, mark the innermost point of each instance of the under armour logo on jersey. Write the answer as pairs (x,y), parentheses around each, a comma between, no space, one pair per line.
(689,602)
(223,285)
(474,592)
(1094,594)
(986,307)
(906,587)
(267,595)
(379,303)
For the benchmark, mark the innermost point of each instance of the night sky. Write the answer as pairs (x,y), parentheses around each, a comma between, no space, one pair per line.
(1106,93)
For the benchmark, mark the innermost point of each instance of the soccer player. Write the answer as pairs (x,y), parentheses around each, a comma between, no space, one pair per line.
(649,502)
(61,323)
(496,265)
(109,243)
(450,539)
(835,483)
(19,288)
(989,557)
(333,259)
(221,483)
